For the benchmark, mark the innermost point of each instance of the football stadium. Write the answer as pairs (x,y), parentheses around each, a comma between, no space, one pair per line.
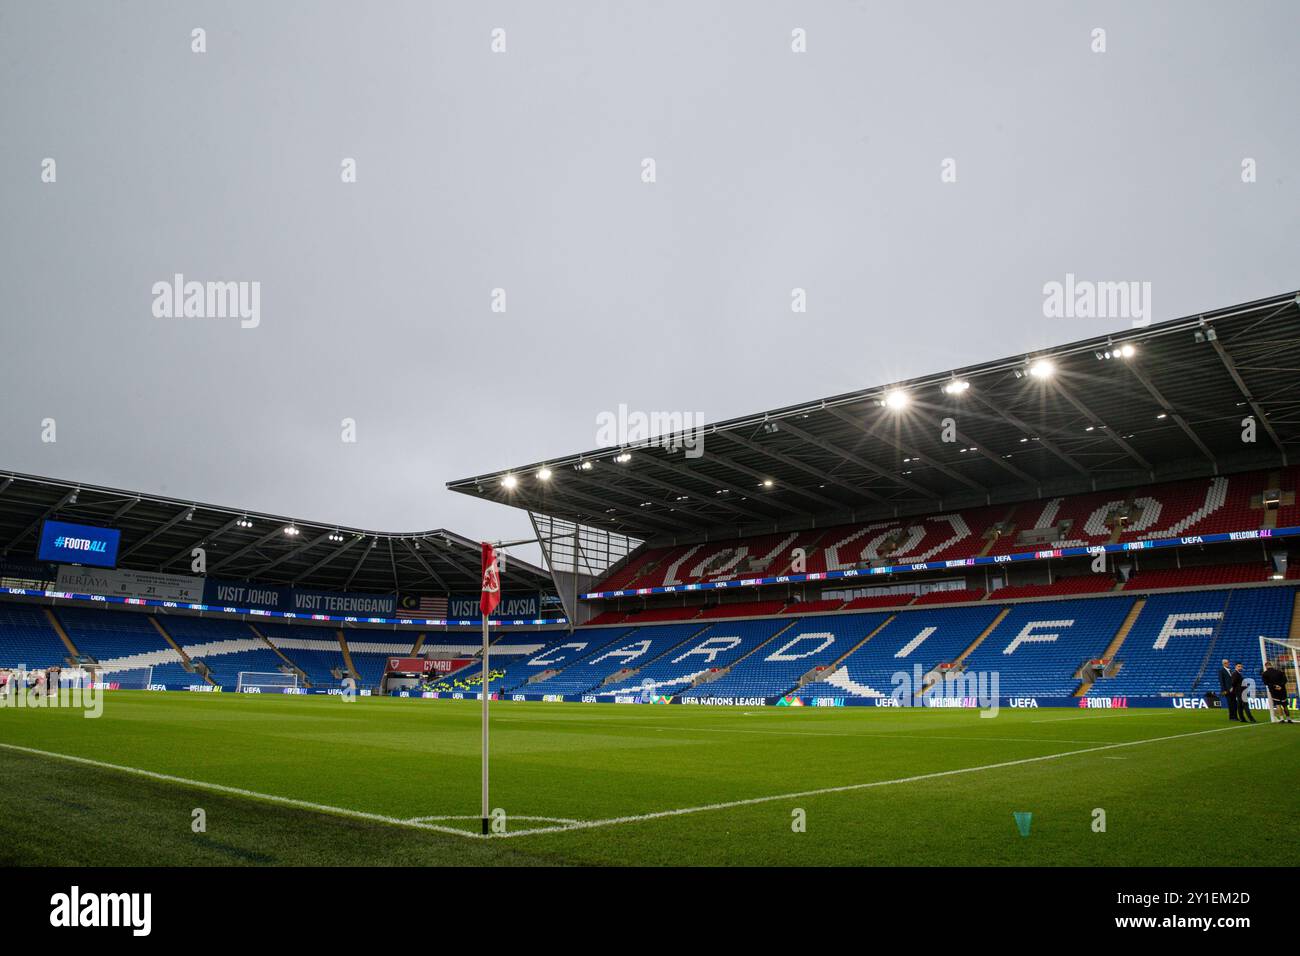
(924,615)
(843,457)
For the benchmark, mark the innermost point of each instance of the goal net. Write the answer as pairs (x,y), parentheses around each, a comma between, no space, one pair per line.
(127,678)
(257,682)
(133,678)
(1284,654)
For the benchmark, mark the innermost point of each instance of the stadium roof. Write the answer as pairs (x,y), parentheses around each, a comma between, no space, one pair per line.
(158,534)
(1142,404)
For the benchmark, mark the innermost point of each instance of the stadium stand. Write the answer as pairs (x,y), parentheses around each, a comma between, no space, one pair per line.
(27,637)
(314,650)
(950,596)
(1178,640)
(747,609)
(878,601)
(555,656)
(122,642)
(1037,648)
(1078,584)
(779,665)
(370,658)
(1202,506)
(921,639)
(713,650)
(661,614)
(1198,577)
(226,647)
(813,607)
(634,650)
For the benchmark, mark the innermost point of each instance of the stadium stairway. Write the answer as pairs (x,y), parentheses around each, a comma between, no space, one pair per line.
(302,675)
(186,663)
(347,654)
(817,673)
(723,671)
(961,658)
(63,635)
(992,540)
(1214,640)
(1085,673)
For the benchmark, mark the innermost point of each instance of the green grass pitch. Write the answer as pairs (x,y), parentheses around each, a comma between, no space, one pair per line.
(1168,797)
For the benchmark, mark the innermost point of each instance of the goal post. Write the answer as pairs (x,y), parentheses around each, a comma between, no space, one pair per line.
(90,676)
(1285,653)
(257,682)
(131,678)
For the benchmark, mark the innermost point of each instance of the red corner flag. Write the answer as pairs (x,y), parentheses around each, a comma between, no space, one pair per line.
(491,596)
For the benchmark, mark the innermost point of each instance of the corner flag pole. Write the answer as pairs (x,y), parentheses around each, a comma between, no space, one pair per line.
(488,601)
(485,725)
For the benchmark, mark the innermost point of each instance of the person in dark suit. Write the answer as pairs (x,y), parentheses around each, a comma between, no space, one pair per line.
(1239,693)
(1225,689)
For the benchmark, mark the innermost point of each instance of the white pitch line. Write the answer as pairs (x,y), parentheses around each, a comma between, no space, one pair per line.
(585,824)
(238,792)
(730,804)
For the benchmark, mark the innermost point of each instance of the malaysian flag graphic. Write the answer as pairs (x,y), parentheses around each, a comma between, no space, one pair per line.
(413,606)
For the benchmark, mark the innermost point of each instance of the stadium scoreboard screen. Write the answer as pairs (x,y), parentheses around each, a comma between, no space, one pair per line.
(64,543)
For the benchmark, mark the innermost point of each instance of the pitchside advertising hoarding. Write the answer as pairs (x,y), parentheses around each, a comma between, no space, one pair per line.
(420,665)
(526,604)
(62,542)
(129,584)
(266,597)
(1258,704)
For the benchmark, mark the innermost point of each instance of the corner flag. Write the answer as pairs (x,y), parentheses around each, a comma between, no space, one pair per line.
(487,603)
(491,596)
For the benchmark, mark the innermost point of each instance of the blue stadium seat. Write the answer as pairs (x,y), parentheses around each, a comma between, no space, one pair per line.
(1038,647)
(912,639)
(717,647)
(1181,637)
(777,667)
(635,649)
(27,637)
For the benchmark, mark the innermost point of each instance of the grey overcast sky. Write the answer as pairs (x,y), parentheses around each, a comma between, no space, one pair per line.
(522,170)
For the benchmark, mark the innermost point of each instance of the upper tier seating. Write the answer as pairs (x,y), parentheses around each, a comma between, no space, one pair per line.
(1078,584)
(813,607)
(1198,577)
(661,614)
(950,596)
(1174,509)
(874,601)
(607,617)
(747,609)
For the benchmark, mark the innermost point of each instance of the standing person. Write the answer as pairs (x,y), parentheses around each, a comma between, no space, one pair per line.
(1275,681)
(1225,689)
(1239,692)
